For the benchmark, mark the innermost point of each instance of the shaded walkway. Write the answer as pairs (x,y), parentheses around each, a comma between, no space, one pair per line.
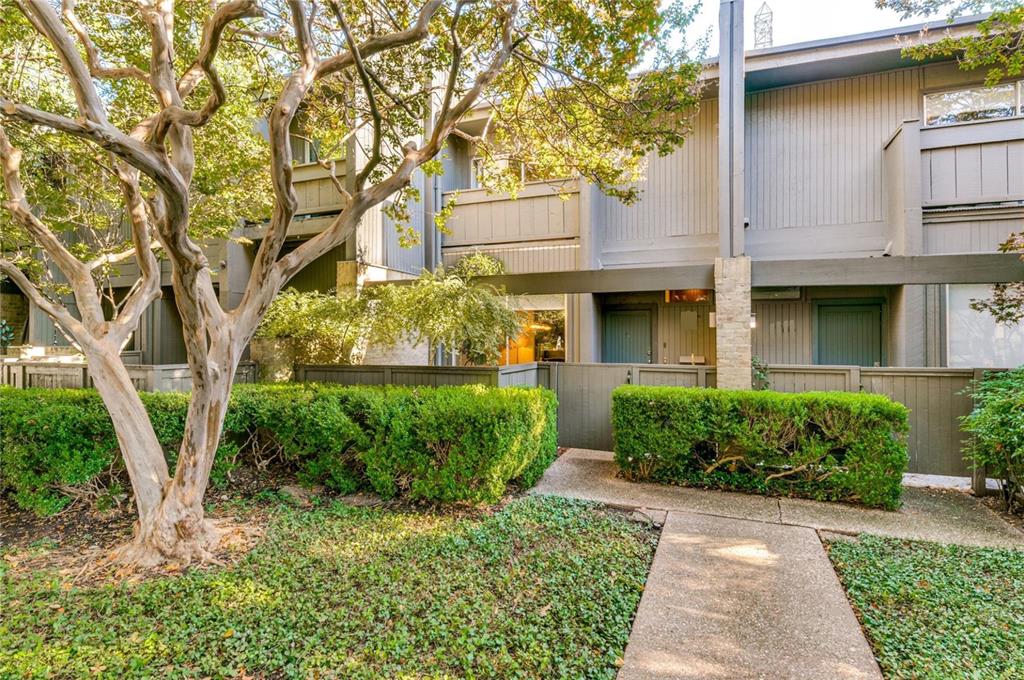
(927,514)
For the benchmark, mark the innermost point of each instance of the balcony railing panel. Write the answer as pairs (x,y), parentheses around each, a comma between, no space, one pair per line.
(972,163)
(541,211)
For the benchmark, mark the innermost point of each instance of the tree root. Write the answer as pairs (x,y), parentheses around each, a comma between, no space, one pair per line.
(179,544)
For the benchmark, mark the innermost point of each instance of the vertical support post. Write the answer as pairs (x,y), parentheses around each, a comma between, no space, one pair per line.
(731,93)
(979,475)
(732,267)
(732,327)
(902,163)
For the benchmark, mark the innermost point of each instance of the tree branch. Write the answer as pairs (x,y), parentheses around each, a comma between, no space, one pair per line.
(92,56)
(74,270)
(175,114)
(364,78)
(107,137)
(45,20)
(57,312)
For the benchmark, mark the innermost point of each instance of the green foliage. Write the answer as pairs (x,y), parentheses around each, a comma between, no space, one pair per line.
(936,611)
(997,426)
(446,444)
(1006,304)
(998,45)
(325,328)
(58,444)
(760,374)
(456,444)
(544,588)
(824,445)
(71,181)
(6,335)
(446,307)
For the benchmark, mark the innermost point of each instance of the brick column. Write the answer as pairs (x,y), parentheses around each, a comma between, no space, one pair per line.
(732,322)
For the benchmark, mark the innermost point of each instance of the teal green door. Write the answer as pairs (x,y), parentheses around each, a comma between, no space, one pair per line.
(626,336)
(849,335)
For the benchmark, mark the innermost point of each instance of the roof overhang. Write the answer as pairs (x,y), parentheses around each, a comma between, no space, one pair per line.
(844,56)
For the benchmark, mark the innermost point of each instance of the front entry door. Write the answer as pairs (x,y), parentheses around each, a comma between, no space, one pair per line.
(626,336)
(849,335)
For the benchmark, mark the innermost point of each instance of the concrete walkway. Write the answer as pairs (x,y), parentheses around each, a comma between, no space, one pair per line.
(730,598)
(927,514)
(741,587)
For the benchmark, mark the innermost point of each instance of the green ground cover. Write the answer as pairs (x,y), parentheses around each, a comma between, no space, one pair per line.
(541,588)
(937,611)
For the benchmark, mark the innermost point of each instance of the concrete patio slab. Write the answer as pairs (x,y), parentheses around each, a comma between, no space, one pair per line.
(936,515)
(730,598)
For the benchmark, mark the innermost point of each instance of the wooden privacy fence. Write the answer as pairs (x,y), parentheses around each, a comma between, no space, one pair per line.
(933,395)
(148,378)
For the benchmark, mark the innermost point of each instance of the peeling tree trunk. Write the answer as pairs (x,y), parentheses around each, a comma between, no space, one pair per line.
(142,453)
(177,529)
(171,525)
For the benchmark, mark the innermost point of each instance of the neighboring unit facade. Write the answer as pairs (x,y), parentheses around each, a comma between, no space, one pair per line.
(850,154)
(859,215)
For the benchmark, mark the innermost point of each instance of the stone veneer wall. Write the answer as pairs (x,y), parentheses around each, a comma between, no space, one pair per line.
(732,322)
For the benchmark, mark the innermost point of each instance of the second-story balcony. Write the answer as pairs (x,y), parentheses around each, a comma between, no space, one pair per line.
(537,231)
(966,181)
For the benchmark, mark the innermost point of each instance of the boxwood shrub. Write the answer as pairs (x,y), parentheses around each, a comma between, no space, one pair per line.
(445,444)
(834,446)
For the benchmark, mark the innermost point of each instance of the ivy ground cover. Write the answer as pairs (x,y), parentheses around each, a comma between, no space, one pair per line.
(543,588)
(936,611)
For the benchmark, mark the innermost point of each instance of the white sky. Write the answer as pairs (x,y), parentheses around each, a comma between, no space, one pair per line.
(802,20)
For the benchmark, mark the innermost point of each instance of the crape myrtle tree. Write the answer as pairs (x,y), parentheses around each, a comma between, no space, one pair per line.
(127,137)
(997,47)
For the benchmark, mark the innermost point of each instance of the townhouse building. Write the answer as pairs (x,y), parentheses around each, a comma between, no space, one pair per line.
(836,203)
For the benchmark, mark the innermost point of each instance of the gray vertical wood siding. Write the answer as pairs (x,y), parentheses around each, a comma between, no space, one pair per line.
(783,332)
(315,189)
(972,163)
(969,231)
(676,217)
(936,403)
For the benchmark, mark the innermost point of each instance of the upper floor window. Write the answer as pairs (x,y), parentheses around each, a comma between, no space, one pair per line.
(973,103)
(525,171)
(304,150)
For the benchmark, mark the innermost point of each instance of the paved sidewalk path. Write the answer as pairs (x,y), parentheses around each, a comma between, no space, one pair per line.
(730,598)
(741,586)
(927,514)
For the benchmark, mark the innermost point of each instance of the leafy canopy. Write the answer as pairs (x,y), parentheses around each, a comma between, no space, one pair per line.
(446,307)
(73,185)
(590,89)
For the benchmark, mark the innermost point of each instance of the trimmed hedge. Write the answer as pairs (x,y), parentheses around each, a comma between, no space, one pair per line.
(445,444)
(833,446)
